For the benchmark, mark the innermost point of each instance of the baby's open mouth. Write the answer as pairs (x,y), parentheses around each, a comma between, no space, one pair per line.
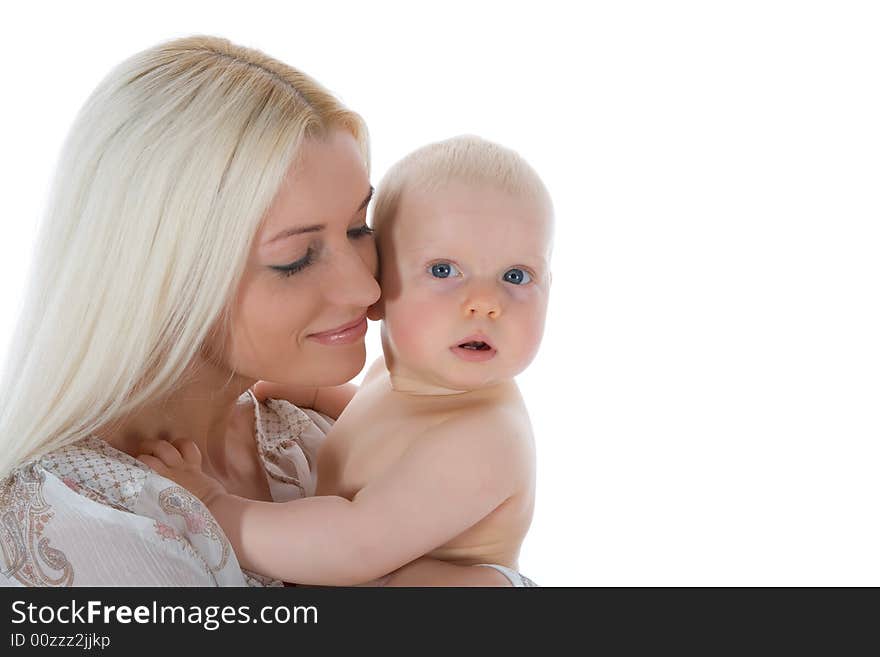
(474,350)
(476,346)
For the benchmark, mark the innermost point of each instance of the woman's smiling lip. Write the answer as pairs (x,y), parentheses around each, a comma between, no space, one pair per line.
(345,334)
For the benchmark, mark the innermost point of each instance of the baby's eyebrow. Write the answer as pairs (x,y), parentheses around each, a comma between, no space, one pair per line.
(315,228)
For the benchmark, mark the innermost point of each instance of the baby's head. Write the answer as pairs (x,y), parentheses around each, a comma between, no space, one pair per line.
(464,229)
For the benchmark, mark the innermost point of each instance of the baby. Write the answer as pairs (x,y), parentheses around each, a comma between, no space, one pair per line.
(434,454)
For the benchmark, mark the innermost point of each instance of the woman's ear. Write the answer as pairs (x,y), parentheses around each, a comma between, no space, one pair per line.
(376,311)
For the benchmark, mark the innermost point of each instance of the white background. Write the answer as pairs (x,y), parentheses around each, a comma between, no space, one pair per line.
(706,398)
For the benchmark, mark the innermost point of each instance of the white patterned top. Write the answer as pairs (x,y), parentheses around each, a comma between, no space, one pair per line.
(90,515)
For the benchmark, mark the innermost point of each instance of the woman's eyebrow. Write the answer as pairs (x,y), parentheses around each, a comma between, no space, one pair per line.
(315,228)
(287,232)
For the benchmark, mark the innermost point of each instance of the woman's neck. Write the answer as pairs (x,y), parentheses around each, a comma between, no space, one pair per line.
(204,409)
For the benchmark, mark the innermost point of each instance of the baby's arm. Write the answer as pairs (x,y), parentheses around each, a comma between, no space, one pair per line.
(448,481)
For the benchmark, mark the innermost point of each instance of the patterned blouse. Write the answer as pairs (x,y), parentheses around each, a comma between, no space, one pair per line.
(91,515)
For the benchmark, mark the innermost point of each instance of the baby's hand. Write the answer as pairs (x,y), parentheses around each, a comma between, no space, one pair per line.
(181,462)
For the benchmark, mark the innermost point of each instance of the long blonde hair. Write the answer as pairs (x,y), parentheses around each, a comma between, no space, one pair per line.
(160,188)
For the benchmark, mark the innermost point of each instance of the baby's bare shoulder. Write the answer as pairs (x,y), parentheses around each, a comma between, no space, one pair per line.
(503,412)
(488,418)
(499,432)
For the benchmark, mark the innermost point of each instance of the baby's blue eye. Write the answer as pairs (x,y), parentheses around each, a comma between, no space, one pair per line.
(444,270)
(517,276)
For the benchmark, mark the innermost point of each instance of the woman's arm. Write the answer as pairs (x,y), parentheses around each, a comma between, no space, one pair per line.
(433,572)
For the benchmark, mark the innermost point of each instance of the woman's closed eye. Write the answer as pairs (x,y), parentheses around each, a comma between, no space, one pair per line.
(360,231)
(298,265)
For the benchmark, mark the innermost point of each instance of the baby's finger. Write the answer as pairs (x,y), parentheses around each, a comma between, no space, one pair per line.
(163,450)
(189,451)
(264,390)
(153,463)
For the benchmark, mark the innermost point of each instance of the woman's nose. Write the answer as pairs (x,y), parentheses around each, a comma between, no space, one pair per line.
(482,301)
(354,281)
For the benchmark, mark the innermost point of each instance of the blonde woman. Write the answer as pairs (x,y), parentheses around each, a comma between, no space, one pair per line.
(206,229)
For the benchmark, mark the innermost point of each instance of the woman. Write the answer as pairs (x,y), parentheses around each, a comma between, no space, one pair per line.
(207,229)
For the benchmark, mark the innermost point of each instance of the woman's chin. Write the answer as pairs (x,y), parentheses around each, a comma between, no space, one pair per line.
(342,369)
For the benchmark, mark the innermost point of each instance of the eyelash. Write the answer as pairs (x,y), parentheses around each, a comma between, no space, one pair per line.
(309,257)
(531,274)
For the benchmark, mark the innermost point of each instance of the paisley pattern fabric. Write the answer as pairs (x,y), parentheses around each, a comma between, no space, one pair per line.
(90,515)
(25,515)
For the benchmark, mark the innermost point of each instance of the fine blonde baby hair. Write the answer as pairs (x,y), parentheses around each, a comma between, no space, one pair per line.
(463,159)
(159,191)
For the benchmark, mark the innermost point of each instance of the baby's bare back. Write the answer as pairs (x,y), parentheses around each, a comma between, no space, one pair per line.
(380,426)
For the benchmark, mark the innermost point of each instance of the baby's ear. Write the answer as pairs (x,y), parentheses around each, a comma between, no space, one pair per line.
(376,311)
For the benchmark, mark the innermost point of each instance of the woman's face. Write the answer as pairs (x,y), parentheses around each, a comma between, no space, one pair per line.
(299,315)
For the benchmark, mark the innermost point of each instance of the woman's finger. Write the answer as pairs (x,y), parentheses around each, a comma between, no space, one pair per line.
(189,451)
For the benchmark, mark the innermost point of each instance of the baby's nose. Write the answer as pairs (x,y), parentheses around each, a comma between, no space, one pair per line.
(482,303)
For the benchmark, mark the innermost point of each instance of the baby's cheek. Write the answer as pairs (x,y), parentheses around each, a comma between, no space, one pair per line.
(404,335)
(413,327)
(528,330)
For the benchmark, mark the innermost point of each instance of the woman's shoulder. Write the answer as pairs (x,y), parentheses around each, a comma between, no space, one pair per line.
(99,472)
(89,515)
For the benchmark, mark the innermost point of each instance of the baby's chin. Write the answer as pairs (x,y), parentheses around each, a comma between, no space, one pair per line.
(469,377)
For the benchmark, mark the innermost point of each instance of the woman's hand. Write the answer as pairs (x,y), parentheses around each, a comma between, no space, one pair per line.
(181,461)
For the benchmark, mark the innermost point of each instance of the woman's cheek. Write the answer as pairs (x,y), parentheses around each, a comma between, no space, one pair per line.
(366,248)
